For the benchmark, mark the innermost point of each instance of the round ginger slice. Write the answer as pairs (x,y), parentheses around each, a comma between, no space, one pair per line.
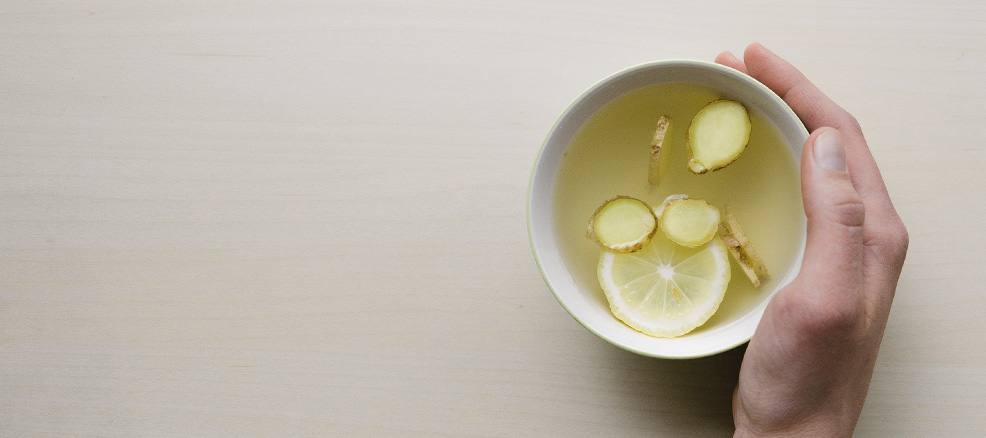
(717,135)
(667,201)
(690,222)
(623,224)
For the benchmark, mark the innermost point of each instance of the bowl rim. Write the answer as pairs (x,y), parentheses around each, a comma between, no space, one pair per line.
(580,100)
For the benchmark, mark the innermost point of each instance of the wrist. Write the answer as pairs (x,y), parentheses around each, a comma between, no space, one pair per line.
(828,426)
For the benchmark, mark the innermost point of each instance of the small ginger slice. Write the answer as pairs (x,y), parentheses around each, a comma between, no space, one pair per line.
(622,224)
(659,153)
(742,249)
(689,222)
(736,250)
(717,135)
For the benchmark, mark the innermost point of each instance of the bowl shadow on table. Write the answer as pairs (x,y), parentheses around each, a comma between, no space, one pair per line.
(692,397)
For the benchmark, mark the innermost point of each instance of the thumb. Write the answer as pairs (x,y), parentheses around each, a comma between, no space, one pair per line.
(835,211)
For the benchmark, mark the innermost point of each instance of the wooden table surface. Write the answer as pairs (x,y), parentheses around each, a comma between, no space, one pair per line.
(265,218)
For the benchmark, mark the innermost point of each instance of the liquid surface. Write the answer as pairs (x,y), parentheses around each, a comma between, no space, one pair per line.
(609,156)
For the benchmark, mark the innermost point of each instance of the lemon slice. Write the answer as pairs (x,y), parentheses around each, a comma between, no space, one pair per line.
(664,289)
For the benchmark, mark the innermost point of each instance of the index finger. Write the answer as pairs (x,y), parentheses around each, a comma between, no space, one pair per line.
(817,110)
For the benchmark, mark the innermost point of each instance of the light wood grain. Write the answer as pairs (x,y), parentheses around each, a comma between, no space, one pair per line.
(263,218)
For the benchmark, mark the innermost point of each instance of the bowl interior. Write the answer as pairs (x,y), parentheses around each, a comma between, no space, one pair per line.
(583,301)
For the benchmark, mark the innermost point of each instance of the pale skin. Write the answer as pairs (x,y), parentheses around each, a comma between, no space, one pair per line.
(807,369)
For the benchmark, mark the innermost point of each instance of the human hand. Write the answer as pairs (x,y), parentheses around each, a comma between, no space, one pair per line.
(808,367)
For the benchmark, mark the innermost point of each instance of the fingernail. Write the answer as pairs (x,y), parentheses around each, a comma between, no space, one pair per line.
(829,153)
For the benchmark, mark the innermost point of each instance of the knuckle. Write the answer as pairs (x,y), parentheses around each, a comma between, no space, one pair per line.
(899,238)
(850,121)
(892,240)
(831,313)
(844,121)
(849,212)
(832,316)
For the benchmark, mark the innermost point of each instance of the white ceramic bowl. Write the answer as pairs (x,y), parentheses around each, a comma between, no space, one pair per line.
(584,305)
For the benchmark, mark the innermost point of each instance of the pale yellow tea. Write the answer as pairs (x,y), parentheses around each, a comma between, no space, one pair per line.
(610,156)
